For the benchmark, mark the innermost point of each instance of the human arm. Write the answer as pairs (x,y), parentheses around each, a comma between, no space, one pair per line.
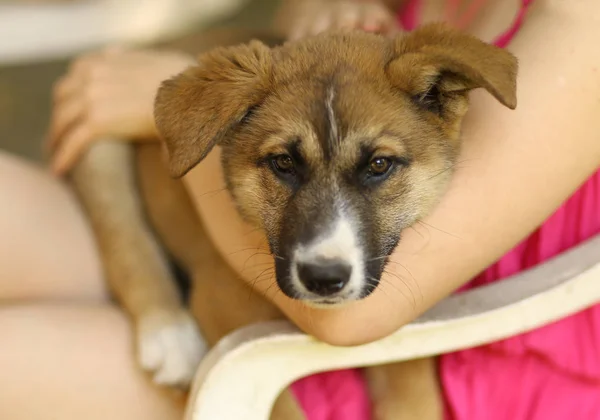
(499,194)
(108,93)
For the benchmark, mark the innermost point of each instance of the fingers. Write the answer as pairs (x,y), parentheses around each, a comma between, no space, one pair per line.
(377,20)
(321,24)
(300,29)
(348,18)
(71,130)
(68,133)
(344,16)
(71,148)
(66,87)
(65,115)
(109,93)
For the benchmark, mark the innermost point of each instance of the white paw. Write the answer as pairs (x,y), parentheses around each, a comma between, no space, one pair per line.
(170,346)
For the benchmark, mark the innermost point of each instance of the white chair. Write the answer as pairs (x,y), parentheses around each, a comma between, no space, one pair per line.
(242,376)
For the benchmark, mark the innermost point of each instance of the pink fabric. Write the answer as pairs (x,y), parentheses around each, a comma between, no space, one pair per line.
(409,19)
(552,373)
(503,40)
(409,16)
(337,395)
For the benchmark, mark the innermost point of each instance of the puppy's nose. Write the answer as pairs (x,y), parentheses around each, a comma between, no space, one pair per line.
(324,277)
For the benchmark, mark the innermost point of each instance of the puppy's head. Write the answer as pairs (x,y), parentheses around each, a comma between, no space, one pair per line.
(334,144)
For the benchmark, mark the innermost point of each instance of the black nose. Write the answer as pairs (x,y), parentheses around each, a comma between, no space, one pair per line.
(324,277)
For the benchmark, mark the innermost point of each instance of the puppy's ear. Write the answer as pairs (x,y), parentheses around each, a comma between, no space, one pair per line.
(437,66)
(197,109)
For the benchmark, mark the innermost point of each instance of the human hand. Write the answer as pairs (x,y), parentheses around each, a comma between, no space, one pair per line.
(107,93)
(315,16)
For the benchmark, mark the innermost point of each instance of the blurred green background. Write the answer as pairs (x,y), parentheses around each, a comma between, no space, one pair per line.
(25,90)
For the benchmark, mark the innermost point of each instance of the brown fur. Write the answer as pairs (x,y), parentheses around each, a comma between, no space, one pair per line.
(403,98)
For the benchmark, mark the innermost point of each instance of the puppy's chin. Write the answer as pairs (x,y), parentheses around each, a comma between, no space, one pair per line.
(330,303)
(317,301)
(323,302)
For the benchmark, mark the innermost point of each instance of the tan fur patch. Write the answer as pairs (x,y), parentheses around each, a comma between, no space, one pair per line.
(333,103)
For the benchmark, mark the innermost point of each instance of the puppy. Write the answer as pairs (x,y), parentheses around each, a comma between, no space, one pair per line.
(331,145)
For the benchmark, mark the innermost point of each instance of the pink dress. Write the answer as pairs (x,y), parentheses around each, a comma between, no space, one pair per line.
(552,373)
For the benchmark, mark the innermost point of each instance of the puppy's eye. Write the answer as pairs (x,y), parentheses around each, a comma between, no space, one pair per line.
(379,166)
(283,164)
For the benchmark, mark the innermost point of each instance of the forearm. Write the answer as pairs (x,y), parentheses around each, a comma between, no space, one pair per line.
(508,158)
(516,168)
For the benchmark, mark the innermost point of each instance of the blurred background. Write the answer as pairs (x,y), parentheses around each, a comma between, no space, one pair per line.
(39,37)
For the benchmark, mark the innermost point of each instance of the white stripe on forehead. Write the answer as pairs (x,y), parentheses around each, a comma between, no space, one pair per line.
(331,114)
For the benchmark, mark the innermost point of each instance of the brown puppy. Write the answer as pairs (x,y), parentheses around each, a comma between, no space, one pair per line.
(331,145)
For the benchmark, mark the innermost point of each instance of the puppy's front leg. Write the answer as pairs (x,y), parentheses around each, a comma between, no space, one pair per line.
(168,341)
(405,391)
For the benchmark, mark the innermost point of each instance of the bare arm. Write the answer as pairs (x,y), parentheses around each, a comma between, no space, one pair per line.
(518,167)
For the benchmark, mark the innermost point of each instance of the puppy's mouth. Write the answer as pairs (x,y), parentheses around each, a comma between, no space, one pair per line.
(331,268)
(321,280)
(324,282)
(325,303)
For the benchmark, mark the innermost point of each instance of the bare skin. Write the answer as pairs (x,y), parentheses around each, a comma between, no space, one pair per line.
(92,340)
(46,247)
(86,109)
(61,336)
(502,149)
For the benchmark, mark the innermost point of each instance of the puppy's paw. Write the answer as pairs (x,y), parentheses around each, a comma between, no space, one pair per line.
(170,347)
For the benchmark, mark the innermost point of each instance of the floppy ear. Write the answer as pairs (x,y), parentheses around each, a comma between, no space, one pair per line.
(437,66)
(197,109)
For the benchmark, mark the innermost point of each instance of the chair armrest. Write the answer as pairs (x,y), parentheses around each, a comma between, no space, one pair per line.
(242,376)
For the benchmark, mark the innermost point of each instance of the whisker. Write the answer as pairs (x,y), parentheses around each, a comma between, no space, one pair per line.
(438,229)
(258,251)
(383,280)
(418,233)
(453,166)
(213,192)
(252,231)
(406,285)
(253,248)
(405,268)
(273,286)
(378,258)
(374,284)
(249,258)
(259,264)
(256,280)
(449,168)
